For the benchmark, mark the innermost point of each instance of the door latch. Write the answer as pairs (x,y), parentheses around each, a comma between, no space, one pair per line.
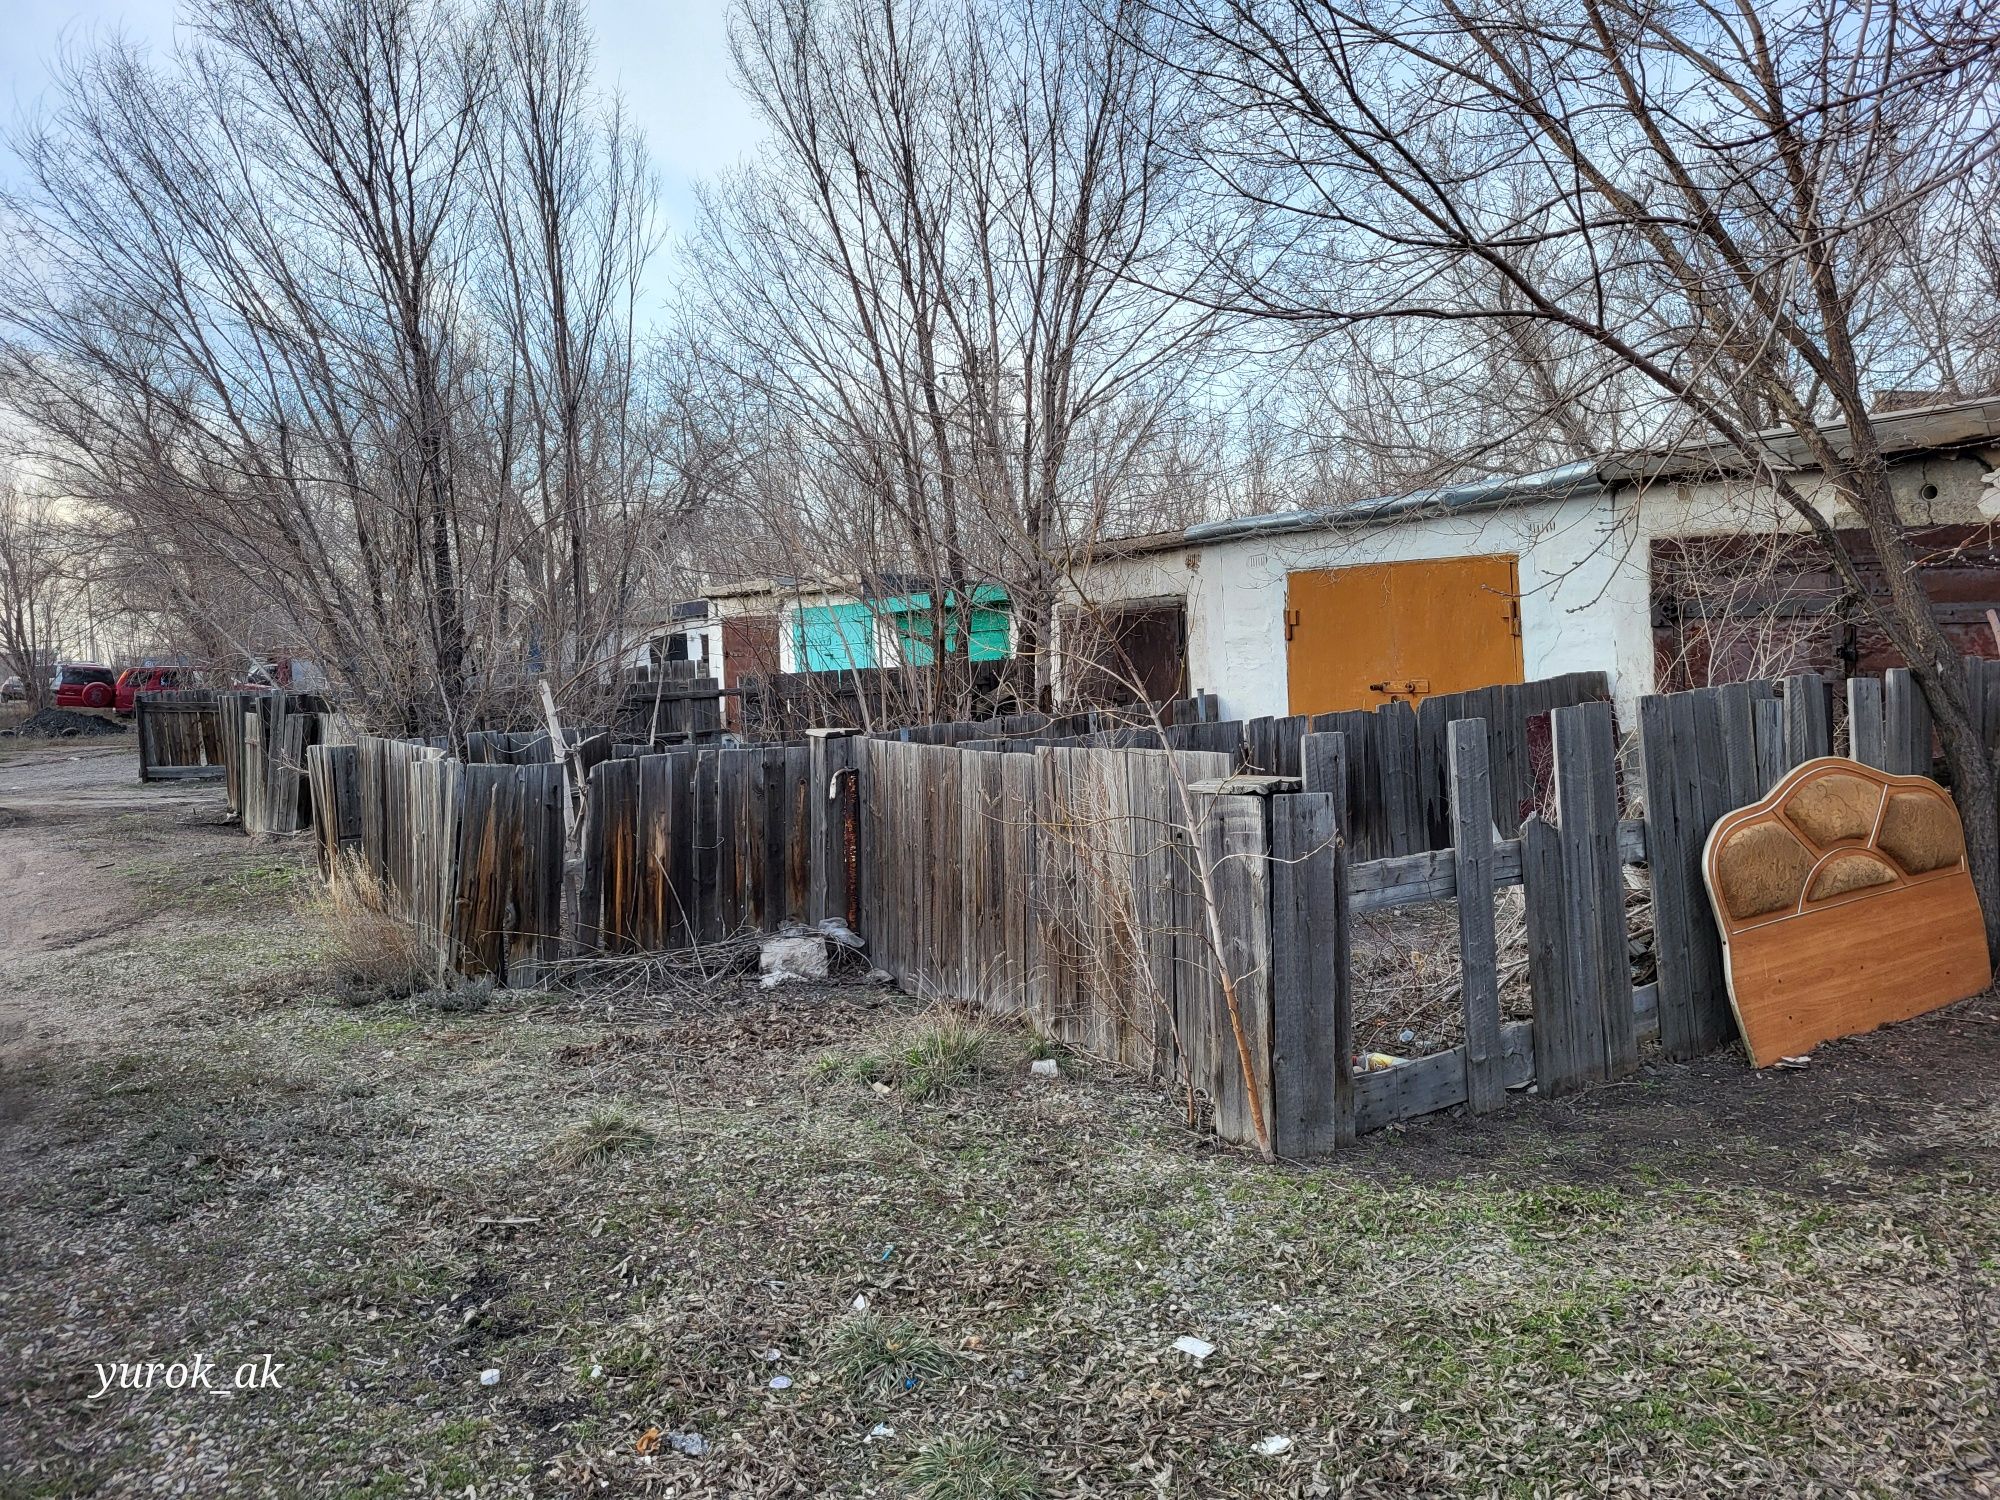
(1291,623)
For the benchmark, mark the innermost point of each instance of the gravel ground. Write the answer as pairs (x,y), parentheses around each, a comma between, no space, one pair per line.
(823,1242)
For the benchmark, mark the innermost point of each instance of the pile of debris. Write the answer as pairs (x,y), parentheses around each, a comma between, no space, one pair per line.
(700,976)
(65,724)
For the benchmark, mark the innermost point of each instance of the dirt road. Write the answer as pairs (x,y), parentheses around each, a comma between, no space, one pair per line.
(75,824)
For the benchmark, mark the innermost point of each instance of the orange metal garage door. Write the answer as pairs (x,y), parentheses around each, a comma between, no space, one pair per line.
(1357,637)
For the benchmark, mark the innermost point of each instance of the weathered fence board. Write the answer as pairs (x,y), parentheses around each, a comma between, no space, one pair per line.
(1594,891)
(1425,1085)
(333,775)
(1906,721)
(1312,1029)
(1808,719)
(1864,721)
(179,736)
(1479,973)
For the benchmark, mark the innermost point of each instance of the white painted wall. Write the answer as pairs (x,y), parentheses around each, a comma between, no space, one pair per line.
(1575,572)
(1584,576)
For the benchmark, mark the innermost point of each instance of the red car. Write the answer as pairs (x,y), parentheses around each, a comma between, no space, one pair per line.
(84,684)
(136,680)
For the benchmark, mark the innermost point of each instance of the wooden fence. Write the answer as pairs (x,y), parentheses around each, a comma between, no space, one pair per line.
(677,705)
(257,744)
(1123,899)
(1708,751)
(1069,886)
(1148,903)
(179,735)
(471,853)
(692,846)
(1399,775)
(784,706)
(1091,931)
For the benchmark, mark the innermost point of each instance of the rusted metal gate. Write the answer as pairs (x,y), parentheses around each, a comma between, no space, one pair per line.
(1377,633)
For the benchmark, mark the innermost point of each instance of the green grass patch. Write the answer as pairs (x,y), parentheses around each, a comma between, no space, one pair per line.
(929,1056)
(972,1467)
(875,1356)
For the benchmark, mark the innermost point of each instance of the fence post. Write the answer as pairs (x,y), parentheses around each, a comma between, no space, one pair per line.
(1312,1045)
(834,788)
(1599,977)
(1471,812)
(1232,843)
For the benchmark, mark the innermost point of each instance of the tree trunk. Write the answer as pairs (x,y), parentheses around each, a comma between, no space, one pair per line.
(1940,676)
(1977,792)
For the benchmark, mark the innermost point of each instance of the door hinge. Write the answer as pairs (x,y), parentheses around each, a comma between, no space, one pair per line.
(1291,623)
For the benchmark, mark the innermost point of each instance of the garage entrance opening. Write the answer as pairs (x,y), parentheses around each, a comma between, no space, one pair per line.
(1363,636)
(1129,650)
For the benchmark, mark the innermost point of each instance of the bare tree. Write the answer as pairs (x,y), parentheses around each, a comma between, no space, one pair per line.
(33,562)
(1709,203)
(572,212)
(334,313)
(948,280)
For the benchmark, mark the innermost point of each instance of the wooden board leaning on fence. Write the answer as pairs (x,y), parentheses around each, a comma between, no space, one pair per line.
(1844,903)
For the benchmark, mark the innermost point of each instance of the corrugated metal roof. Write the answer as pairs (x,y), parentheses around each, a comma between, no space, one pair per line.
(1920,430)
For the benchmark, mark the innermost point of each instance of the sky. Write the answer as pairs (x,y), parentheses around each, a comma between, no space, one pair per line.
(670,59)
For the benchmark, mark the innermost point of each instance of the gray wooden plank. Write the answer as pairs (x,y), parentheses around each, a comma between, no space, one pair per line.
(1808,729)
(1471,809)
(1864,721)
(1772,756)
(1906,724)
(1599,979)
(1559,1068)
(1311,1080)
(1425,1085)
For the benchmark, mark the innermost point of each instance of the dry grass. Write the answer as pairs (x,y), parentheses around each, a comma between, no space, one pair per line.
(599,1138)
(373,951)
(1685,1285)
(967,1468)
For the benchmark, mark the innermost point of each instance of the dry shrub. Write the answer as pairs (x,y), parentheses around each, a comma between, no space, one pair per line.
(373,951)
